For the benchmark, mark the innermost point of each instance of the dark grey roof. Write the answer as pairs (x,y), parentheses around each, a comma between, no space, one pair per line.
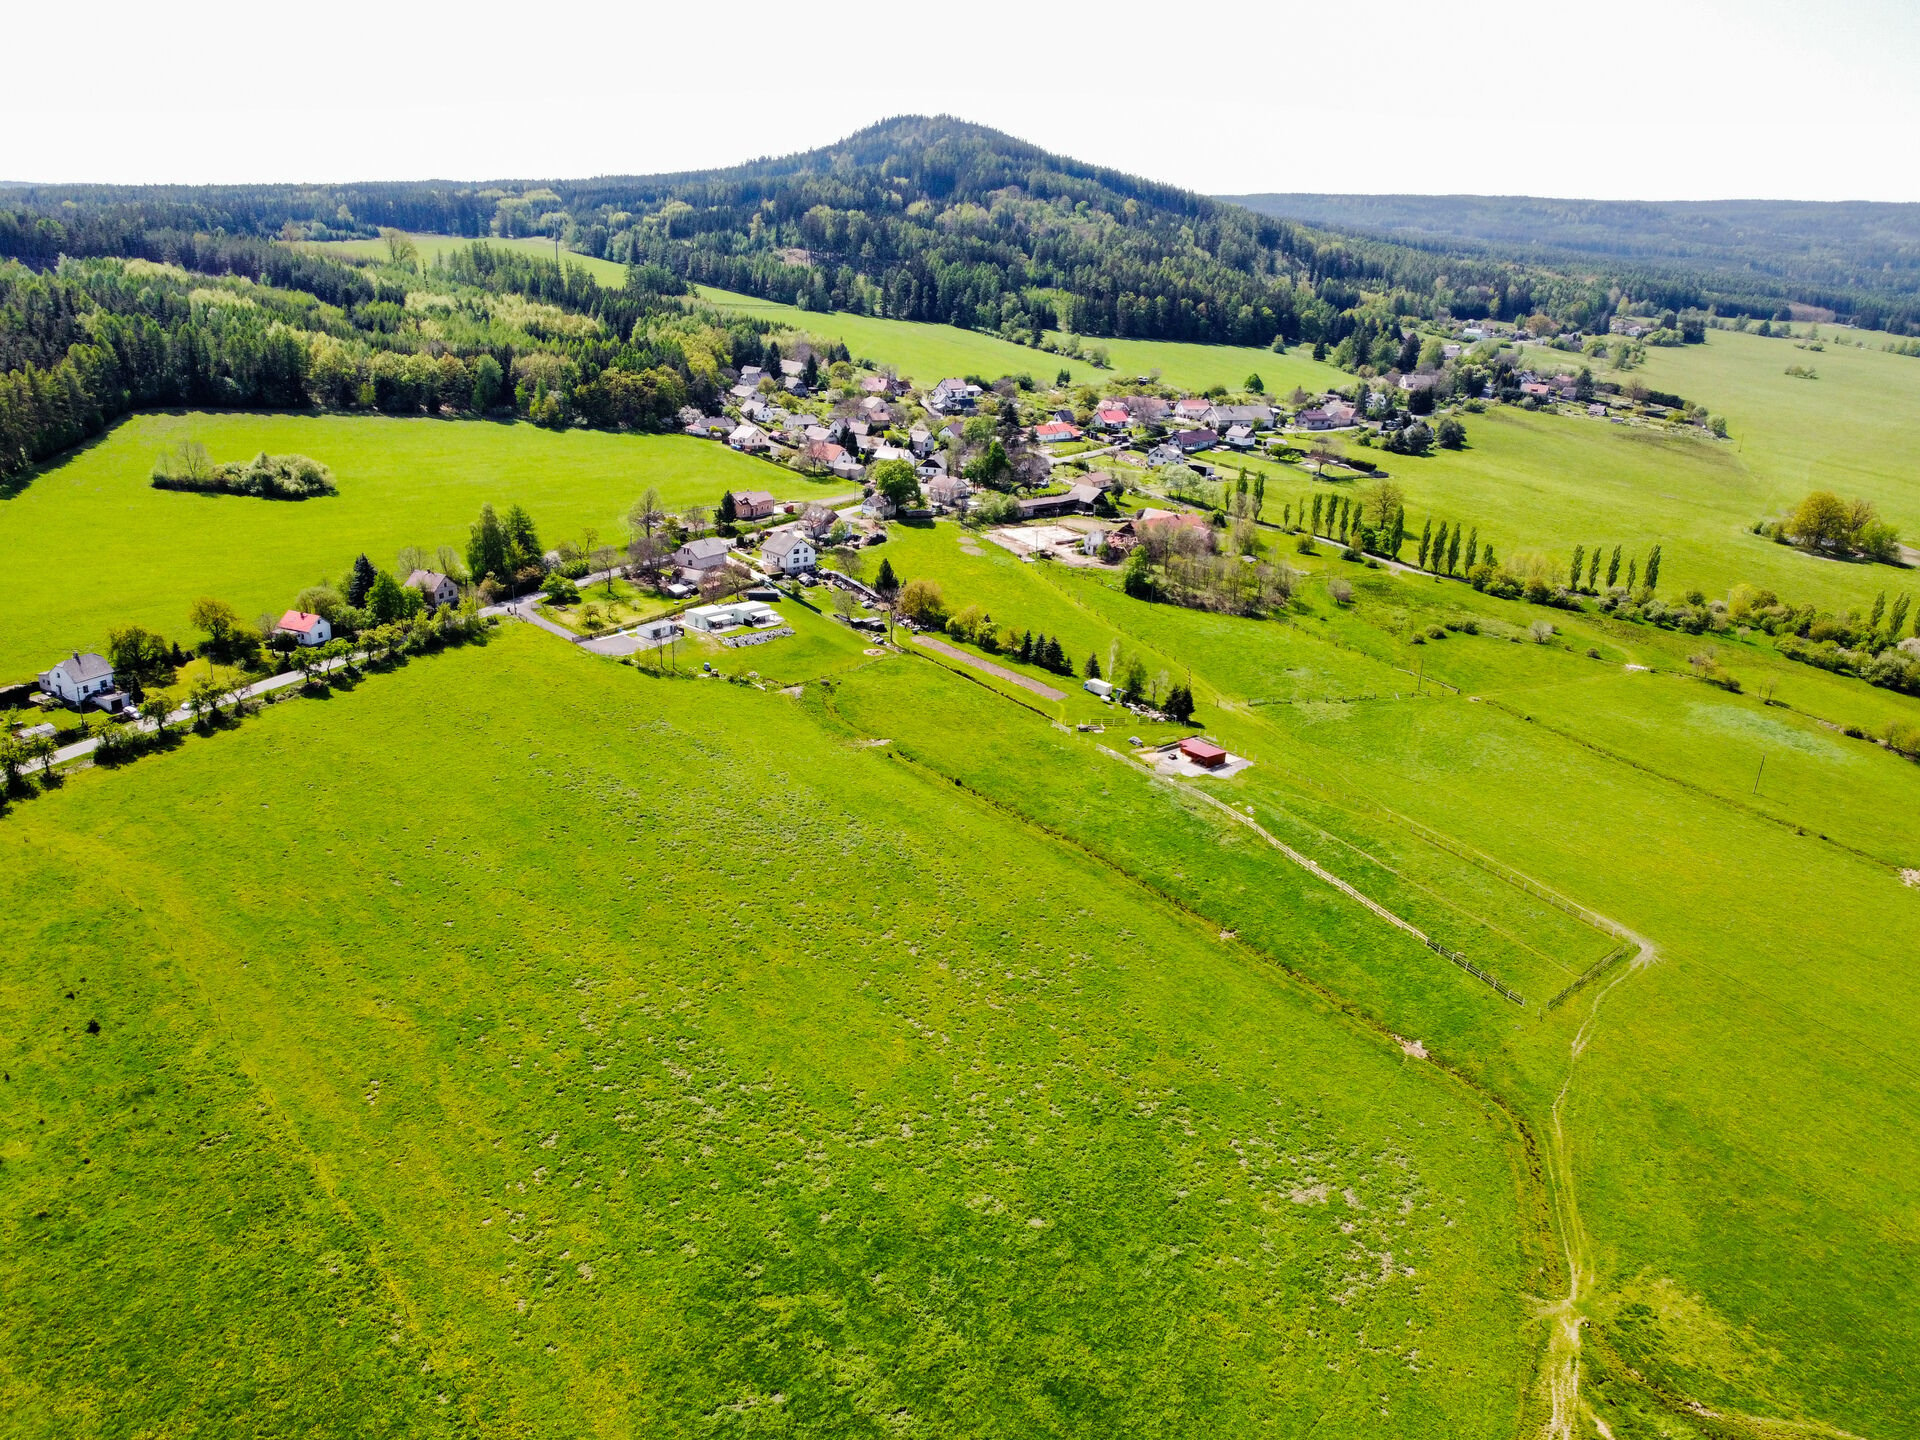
(86,667)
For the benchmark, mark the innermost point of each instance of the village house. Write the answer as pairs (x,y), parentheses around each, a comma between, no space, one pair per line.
(435,588)
(751,504)
(1055,431)
(948,492)
(701,556)
(1192,408)
(82,680)
(1419,380)
(1239,437)
(748,439)
(1148,409)
(1165,453)
(1538,389)
(920,440)
(877,507)
(789,552)
(1191,441)
(949,394)
(846,467)
(709,619)
(304,628)
(1149,519)
(824,452)
(817,521)
(1112,417)
(1225,417)
(1037,507)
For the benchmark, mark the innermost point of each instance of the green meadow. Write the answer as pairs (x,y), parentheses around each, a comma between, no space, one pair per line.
(1546,482)
(1736,1147)
(150,553)
(1854,429)
(432,247)
(520,1043)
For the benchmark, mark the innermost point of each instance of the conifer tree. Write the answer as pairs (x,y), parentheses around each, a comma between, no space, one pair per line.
(361,581)
(1898,617)
(1259,494)
(1025,652)
(1399,535)
(1653,567)
(1453,552)
(1473,548)
(1426,541)
(1879,609)
(1092,670)
(1613,568)
(1633,573)
(1573,570)
(1593,570)
(1439,553)
(1315,530)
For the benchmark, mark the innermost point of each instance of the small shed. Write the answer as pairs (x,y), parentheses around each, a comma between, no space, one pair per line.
(1102,688)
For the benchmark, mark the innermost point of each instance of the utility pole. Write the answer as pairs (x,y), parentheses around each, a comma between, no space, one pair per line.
(1758,773)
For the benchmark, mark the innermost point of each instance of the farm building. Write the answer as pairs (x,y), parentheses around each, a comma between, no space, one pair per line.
(1202,752)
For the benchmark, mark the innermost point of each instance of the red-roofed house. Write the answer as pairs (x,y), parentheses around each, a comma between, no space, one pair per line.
(306,629)
(1112,417)
(1192,408)
(1054,431)
(1200,752)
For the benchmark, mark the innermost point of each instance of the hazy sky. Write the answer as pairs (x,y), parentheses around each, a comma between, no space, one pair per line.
(1657,99)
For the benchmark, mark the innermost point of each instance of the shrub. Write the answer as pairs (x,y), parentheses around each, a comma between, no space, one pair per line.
(1541,631)
(1340,590)
(560,590)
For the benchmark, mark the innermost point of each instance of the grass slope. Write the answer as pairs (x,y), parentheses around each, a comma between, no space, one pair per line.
(136,554)
(432,247)
(1855,429)
(1548,482)
(1737,1132)
(498,1047)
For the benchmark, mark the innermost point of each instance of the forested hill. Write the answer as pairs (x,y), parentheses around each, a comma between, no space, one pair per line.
(914,218)
(1859,259)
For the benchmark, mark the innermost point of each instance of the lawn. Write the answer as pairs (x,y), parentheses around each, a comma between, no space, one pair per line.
(150,553)
(488,1049)
(1201,367)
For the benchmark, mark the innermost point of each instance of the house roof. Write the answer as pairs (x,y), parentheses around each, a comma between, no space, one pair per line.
(298,621)
(85,667)
(705,547)
(753,497)
(783,541)
(1056,430)
(825,451)
(1201,438)
(1114,414)
(1200,749)
(430,579)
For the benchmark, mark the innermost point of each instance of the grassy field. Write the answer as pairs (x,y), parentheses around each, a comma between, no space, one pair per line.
(150,553)
(432,247)
(1547,482)
(1854,430)
(519,1043)
(1741,1186)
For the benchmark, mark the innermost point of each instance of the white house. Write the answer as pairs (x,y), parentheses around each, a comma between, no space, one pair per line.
(709,552)
(657,632)
(306,629)
(437,588)
(709,619)
(789,552)
(82,680)
(1100,688)
(747,437)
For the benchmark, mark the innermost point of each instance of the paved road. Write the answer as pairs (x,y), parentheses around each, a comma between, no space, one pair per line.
(1045,692)
(182,715)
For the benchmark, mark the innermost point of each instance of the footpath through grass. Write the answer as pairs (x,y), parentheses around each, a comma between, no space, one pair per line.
(521,1043)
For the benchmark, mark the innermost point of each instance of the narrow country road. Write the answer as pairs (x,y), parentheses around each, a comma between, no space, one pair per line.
(1045,692)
